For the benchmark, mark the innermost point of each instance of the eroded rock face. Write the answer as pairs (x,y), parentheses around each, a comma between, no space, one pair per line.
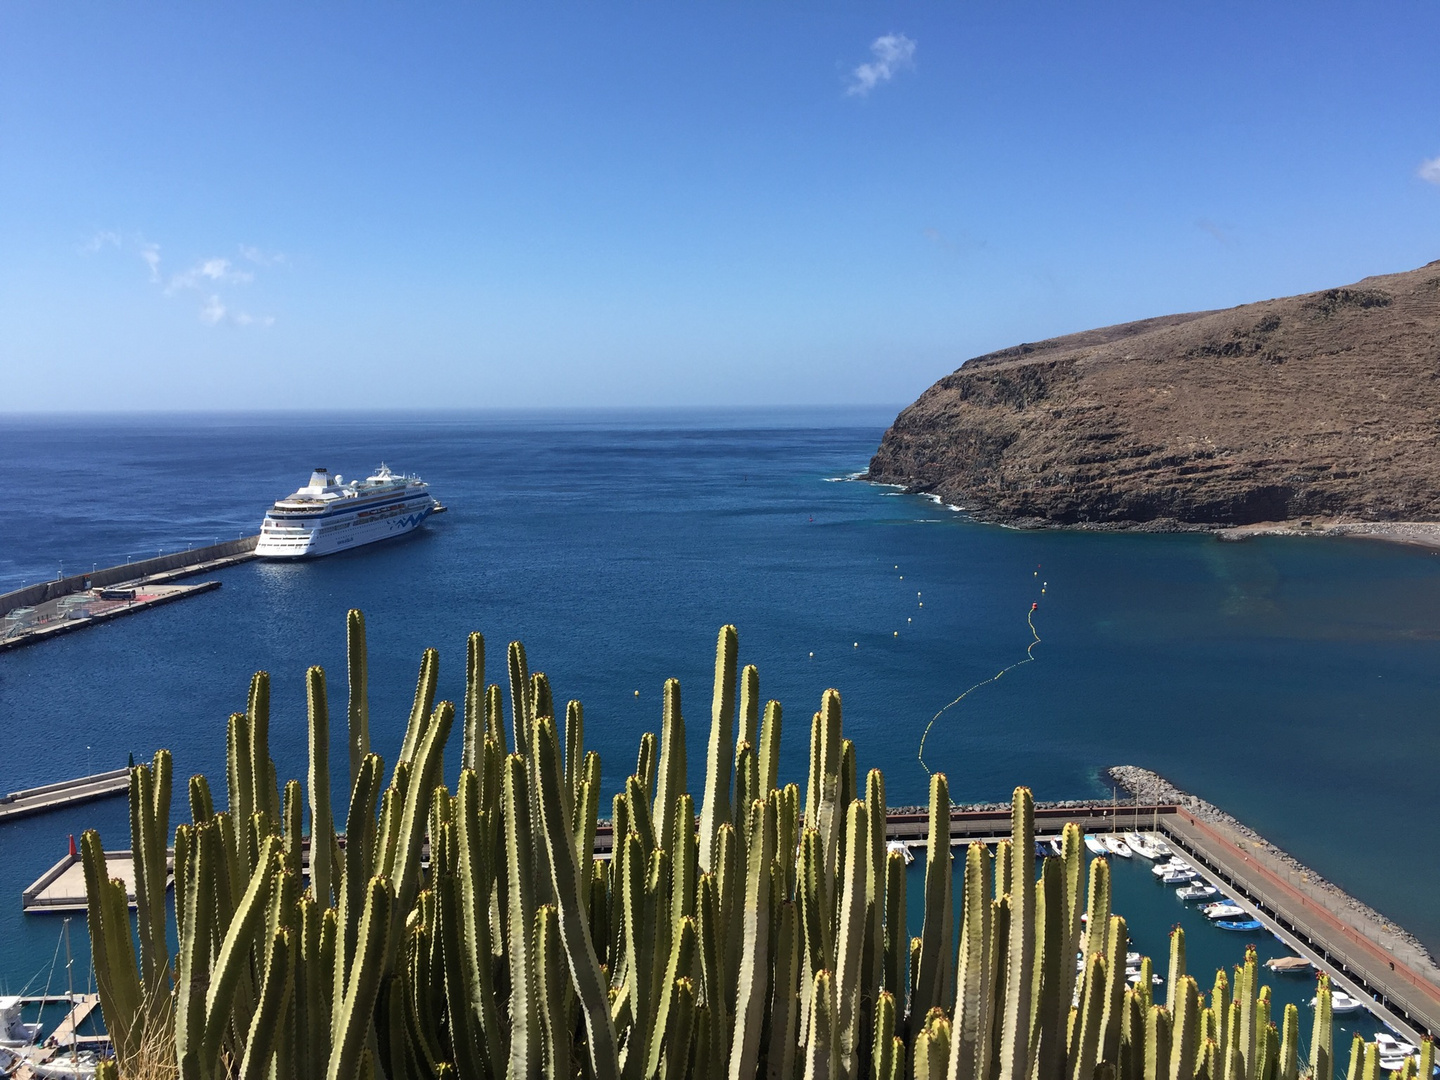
(1325,405)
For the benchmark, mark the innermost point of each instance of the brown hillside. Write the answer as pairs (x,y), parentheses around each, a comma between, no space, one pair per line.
(1322,405)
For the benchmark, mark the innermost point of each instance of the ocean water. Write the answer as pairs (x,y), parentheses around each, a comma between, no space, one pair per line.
(1292,681)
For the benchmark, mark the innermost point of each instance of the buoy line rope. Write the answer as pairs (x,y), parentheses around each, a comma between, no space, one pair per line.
(1029,656)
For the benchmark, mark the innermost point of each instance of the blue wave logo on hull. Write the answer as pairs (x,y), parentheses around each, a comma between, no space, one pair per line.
(409,521)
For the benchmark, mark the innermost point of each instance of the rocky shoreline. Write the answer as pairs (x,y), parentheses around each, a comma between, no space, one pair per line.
(1152,787)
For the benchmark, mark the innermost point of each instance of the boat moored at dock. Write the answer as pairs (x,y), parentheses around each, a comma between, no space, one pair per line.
(328,515)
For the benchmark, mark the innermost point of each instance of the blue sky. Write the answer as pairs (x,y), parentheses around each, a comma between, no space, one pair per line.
(411,205)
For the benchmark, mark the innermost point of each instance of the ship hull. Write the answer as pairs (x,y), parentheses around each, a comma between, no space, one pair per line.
(333,533)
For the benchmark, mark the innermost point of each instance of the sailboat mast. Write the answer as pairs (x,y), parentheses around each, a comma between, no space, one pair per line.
(70,995)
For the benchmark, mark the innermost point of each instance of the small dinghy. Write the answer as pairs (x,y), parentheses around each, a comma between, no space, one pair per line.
(1289,965)
(1116,846)
(1239,926)
(1198,891)
(1094,845)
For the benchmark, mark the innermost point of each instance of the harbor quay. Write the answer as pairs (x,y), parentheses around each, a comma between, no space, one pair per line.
(50,608)
(1367,956)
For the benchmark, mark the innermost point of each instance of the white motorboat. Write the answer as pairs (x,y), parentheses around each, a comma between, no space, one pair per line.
(1161,869)
(1141,846)
(1057,845)
(79,1067)
(902,848)
(13,1029)
(1391,1047)
(1223,911)
(1094,845)
(1179,876)
(1133,978)
(1198,891)
(1341,1002)
(1116,846)
(1289,965)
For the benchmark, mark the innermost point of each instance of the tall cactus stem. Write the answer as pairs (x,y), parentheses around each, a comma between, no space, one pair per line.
(715,808)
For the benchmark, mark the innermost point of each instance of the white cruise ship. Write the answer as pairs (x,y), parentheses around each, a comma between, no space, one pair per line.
(328,515)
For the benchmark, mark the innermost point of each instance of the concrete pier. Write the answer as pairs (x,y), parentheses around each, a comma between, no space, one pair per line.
(62,887)
(64,793)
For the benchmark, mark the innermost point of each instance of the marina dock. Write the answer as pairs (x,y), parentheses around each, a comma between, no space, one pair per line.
(1398,981)
(51,608)
(64,793)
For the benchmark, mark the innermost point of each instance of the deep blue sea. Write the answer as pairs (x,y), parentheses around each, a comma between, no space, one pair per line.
(1295,682)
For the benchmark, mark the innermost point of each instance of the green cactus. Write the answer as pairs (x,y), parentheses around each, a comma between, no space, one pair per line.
(573,926)
(1160,1046)
(935,935)
(850,935)
(1015,1036)
(1185,1039)
(525,1052)
(770,747)
(358,707)
(1085,1047)
(670,782)
(970,1042)
(785,996)
(882,1057)
(754,953)
(932,1047)
(473,729)
(715,808)
(820,1040)
(1322,1035)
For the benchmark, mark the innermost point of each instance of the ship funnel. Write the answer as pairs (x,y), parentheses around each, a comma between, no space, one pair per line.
(320,478)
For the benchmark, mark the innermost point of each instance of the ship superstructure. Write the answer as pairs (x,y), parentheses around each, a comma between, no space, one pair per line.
(328,515)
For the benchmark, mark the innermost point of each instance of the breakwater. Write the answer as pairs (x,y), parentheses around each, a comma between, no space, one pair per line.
(48,608)
(1387,961)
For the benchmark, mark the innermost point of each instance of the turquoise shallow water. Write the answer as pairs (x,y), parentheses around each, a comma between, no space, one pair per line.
(1292,682)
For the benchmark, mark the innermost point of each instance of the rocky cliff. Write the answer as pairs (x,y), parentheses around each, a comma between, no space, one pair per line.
(1325,406)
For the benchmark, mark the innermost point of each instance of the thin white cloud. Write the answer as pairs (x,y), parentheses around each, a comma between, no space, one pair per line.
(102,239)
(1430,170)
(208,272)
(892,54)
(261,258)
(204,277)
(151,254)
(213,311)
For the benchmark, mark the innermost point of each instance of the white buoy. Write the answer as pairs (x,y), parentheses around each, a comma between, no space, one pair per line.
(637,693)
(857,644)
(897,633)
(812,656)
(908,619)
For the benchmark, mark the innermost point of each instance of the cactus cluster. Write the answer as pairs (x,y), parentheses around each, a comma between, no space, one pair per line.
(473,933)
